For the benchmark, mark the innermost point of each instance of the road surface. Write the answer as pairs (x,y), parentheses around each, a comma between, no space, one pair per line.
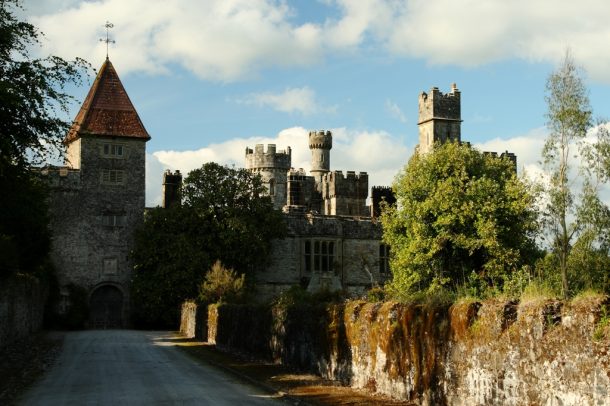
(125,367)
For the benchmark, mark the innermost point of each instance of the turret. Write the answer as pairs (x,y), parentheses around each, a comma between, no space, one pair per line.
(172,183)
(272,166)
(439,118)
(320,144)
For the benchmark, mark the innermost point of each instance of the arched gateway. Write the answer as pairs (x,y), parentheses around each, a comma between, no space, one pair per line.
(106,307)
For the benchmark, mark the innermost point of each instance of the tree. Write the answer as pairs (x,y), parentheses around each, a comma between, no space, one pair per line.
(31,93)
(31,97)
(460,214)
(569,117)
(224,216)
(235,204)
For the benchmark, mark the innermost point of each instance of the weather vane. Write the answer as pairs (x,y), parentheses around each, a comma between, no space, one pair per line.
(107,40)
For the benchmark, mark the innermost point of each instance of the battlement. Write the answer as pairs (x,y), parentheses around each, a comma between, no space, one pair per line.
(438,106)
(172,184)
(352,185)
(272,158)
(320,139)
(504,155)
(61,177)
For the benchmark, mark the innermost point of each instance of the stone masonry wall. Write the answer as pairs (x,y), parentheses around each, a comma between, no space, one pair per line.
(22,301)
(93,220)
(356,254)
(493,353)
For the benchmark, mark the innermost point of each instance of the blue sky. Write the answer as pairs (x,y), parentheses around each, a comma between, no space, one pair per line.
(210,78)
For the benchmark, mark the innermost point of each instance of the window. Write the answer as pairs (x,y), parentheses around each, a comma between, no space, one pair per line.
(272,187)
(319,256)
(113,150)
(113,220)
(384,259)
(112,176)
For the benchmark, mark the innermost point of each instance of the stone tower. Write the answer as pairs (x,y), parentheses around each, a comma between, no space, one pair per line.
(320,144)
(93,216)
(439,118)
(172,184)
(273,167)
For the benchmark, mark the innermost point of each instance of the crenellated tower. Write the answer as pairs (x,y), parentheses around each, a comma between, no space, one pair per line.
(345,195)
(272,166)
(320,144)
(172,185)
(439,118)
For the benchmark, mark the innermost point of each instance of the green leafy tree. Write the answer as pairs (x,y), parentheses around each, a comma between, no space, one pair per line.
(31,93)
(569,118)
(235,204)
(225,215)
(32,98)
(460,215)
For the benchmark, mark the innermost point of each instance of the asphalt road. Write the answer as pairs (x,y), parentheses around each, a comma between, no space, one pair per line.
(124,367)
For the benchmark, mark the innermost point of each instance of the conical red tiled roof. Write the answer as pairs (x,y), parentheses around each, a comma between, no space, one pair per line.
(107,110)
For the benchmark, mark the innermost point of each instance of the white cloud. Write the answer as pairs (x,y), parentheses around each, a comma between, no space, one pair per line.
(233,39)
(527,147)
(301,100)
(472,33)
(377,153)
(395,111)
(216,39)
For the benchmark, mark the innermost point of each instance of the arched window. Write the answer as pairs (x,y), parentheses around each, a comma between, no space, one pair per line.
(271,187)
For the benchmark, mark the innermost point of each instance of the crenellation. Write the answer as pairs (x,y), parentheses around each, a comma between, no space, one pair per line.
(439,118)
(272,165)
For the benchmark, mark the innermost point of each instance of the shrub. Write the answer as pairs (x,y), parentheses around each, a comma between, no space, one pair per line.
(222,285)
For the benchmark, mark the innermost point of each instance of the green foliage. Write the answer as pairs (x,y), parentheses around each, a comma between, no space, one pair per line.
(376,294)
(516,283)
(577,223)
(168,258)
(458,212)
(603,325)
(31,96)
(222,285)
(25,240)
(224,216)
(31,93)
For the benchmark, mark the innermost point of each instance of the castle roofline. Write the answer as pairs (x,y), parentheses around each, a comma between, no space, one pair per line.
(107,110)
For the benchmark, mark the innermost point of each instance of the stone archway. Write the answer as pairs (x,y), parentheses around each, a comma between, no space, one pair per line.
(106,307)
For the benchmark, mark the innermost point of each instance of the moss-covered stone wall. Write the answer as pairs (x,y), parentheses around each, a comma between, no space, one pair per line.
(541,352)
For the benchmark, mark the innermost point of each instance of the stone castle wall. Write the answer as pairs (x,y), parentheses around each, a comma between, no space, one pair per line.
(93,216)
(22,301)
(355,256)
(272,166)
(345,195)
(492,353)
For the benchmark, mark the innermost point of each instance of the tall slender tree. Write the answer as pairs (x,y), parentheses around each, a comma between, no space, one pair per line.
(569,118)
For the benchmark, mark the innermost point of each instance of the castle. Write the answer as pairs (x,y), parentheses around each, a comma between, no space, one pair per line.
(334,238)
(97,201)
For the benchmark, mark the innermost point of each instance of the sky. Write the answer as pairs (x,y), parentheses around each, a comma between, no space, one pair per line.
(212,77)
